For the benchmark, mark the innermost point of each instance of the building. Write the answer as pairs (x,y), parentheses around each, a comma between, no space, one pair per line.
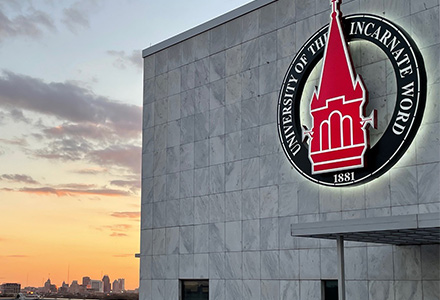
(119,285)
(115,287)
(64,288)
(96,285)
(75,288)
(10,288)
(49,287)
(106,285)
(233,205)
(86,282)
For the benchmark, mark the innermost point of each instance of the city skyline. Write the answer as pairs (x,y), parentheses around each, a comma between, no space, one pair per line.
(68,281)
(87,286)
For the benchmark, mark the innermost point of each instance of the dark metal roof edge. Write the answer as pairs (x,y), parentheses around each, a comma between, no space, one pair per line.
(238,12)
(430,220)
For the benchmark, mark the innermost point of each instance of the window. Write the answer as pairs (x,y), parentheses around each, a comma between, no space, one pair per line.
(330,290)
(195,289)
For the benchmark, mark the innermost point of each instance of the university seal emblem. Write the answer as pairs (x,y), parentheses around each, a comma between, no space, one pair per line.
(335,150)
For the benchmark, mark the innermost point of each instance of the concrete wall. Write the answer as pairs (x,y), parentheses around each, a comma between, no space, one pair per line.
(218,193)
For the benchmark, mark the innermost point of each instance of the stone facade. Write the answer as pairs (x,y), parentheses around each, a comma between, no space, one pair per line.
(218,193)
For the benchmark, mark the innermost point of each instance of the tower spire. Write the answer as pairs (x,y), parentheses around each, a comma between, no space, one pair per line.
(335,8)
(338,76)
(339,137)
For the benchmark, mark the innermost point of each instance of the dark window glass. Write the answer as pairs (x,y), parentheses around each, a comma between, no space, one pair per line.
(195,289)
(330,289)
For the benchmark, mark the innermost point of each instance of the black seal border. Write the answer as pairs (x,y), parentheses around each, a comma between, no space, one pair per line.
(377,162)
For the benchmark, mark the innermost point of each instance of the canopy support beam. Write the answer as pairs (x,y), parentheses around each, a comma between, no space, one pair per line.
(341,267)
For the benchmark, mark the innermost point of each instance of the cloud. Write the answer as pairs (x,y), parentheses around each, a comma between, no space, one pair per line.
(79,186)
(118,230)
(123,255)
(91,171)
(16,142)
(93,128)
(68,102)
(33,24)
(65,149)
(118,227)
(122,60)
(17,256)
(127,214)
(17,115)
(127,156)
(18,178)
(133,185)
(76,17)
(62,192)
(85,130)
(118,234)
(73,18)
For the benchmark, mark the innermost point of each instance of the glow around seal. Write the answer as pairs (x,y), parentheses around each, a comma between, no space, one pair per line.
(336,150)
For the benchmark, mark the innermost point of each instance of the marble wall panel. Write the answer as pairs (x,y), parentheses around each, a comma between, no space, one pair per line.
(270,290)
(310,290)
(269,233)
(251,290)
(233,60)
(201,210)
(233,104)
(431,290)
(201,182)
(406,290)
(233,236)
(217,39)
(217,237)
(201,239)
(233,289)
(217,289)
(201,266)
(289,264)
(172,237)
(158,289)
(309,264)
(251,265)
(270,265)
(187,99)
(356,289)
(407,263)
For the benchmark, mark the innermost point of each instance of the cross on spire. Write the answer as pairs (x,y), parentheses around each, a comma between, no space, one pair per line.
(335,8)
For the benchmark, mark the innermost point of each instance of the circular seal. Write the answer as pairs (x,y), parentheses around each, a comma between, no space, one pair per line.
(406,116)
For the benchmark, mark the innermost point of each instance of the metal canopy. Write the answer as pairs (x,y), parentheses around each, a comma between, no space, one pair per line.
(419,229)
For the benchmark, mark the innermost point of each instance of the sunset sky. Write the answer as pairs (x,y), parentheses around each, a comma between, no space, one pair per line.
(70,132)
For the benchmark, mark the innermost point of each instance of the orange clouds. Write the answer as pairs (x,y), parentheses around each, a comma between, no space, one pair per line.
(127,214)
(74,192)
(118,234)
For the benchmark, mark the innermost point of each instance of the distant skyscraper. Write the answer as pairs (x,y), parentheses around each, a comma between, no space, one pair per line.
(106,284)
(118,285)
(64,288)
(116,288)
(49,287)
(86,282)
(122,284)
(74,287)
(96,285)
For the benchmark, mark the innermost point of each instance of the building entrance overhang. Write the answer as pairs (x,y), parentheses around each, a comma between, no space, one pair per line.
(417,229)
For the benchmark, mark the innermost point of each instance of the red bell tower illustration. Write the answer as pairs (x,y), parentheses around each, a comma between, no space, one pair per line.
(339,137)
